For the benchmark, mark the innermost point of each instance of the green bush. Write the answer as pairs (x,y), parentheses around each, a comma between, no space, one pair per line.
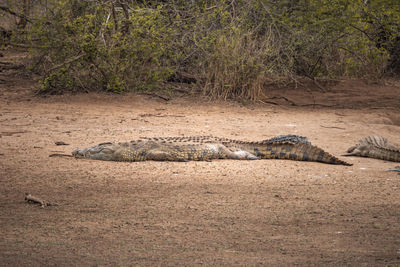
(102,48)
(233,49)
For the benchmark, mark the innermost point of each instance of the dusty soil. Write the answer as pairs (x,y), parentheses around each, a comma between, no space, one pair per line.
(224,212)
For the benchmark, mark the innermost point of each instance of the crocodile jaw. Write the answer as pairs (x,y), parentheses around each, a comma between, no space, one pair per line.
(100,152)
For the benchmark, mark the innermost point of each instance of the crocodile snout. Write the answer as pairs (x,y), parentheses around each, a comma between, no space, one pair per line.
(77,153)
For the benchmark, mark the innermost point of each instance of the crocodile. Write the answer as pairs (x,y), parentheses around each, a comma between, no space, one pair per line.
(206,148)
(375,147)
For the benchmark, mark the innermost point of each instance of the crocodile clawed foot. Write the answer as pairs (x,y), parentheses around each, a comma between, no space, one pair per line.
(252,157)
(243,155)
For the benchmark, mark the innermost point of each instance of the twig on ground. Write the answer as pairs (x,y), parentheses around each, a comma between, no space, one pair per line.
(35,200)
(61,143)
(295,104)
(60,155)
(161,115)
(333,127)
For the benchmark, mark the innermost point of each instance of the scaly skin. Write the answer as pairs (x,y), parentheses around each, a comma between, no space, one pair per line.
(141,150)
(375,147)
(208,148)
(292,151)
(226,141)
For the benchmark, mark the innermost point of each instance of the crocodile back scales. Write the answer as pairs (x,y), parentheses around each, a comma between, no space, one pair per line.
(225,141)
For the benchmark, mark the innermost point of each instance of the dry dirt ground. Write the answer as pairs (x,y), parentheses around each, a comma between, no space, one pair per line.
(224,212)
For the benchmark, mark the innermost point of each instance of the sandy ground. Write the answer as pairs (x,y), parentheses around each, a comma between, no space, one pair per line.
(224,212)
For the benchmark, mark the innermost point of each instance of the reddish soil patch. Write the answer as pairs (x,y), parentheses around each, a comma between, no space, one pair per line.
(224,212)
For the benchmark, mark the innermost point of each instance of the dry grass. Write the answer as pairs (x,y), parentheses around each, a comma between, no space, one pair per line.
(241,65)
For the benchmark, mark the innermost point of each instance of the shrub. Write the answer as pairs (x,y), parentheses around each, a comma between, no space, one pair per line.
(102,46)
(231,49)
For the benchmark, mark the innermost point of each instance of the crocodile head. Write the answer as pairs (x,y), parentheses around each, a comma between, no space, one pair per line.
(358,150)
(104,151)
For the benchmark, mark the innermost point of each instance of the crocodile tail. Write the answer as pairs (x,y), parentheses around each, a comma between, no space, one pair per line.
(394,156)
(299,151)
(385,154)
(318,154)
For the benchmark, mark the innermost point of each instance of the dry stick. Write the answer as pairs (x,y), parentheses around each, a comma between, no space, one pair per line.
(61,143)
(333,127)
(209,8)
(35,200)
(294,104)
(60,155)
(161,116)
